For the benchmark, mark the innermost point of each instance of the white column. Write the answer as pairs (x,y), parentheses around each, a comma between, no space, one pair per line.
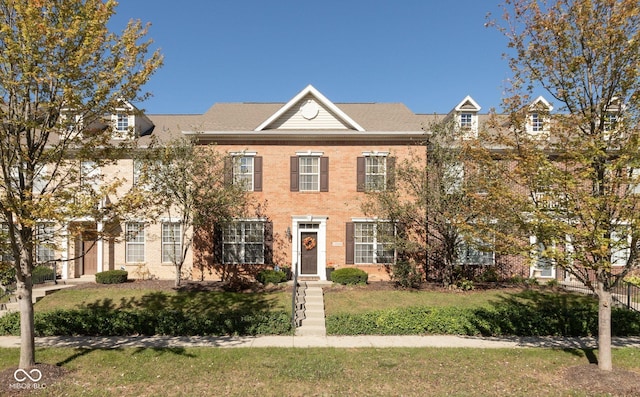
(64,257)
(100,248)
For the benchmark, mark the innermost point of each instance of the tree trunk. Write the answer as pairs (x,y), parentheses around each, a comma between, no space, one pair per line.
(24,291)
(604,329)
(178,270)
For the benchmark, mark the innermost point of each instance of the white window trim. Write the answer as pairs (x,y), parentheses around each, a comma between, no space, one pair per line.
(177,240)
(142,243)
(375,222)
(242,242)
(367,183)
(533,240)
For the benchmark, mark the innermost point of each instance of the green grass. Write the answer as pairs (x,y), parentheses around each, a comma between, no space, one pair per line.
(118,298)
(339,300)
(316,372)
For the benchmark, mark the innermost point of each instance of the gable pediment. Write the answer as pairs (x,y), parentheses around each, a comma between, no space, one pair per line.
(467,105)
(309,110)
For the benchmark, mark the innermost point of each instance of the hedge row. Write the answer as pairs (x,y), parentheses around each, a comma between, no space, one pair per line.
(101,322)
(508,320)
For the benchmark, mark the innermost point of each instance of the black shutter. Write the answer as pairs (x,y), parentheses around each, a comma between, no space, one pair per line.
(257,174)
(294,183)
(268,243)
(228,171)
(349,244)
(360,174)
(217,245)
(324,174)
(391,173)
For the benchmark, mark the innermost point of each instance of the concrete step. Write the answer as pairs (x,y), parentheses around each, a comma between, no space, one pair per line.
(311,331)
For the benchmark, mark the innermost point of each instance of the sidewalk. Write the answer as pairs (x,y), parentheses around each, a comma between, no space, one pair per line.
(346,342)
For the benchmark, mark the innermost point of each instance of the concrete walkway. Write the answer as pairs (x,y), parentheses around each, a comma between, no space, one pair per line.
(347,342)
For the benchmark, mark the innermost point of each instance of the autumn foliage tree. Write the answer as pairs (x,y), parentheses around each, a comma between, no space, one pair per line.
(431,204)
(570,184)
(61,72)
(185,182)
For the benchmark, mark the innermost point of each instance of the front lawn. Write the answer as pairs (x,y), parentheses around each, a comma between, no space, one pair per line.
(326,372)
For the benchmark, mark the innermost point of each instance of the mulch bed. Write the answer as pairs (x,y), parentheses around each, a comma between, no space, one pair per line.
(590,379)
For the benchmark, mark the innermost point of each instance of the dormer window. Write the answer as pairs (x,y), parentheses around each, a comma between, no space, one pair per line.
(122,122)
(466,117)
(610,122)
(466,121)
(537,122)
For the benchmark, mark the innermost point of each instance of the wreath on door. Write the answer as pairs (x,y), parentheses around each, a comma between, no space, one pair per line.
(309,243)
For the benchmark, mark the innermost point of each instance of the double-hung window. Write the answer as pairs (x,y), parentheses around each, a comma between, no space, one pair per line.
(244,169)
(243,172)
(373,242)
(375,171)
(44,237)
(134,237)
(476,252)
(309,172)
(537,123)
(243,242)
(171,242)
(466,120)
(122,122)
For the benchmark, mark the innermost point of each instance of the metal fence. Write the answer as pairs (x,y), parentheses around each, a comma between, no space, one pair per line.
(43,273)
(625,294)
(294,299)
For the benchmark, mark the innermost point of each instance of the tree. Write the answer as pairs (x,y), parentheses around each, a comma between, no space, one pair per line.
(431,204)
(61,71)
(186,182)
(572,185)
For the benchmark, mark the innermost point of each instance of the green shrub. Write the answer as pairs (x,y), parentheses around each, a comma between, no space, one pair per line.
(271,277)
(112,277)
(106,322)
(406,275)
(40,274)
(465,285)
(349,275)
(550,316)
(7,273)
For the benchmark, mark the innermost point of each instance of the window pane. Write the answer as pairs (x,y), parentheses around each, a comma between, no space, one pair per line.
(44,248)
(134,236)
(309,173)
(171,246)
(243,242)
(375,172)
(243,172)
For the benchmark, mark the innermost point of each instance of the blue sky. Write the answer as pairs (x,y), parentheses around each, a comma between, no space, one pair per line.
(427,54)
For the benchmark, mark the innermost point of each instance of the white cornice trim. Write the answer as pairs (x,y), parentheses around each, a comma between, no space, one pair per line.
(321,98)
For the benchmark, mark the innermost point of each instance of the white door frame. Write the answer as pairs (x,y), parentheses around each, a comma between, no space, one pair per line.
(321,222)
